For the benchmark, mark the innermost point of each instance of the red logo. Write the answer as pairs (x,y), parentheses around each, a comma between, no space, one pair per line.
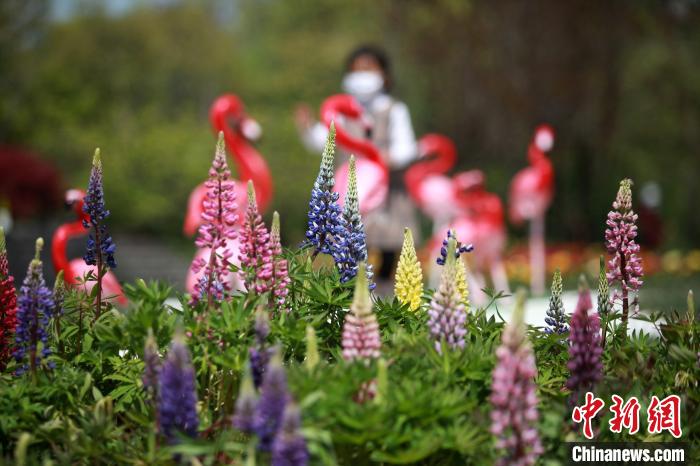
(665,415)
(587,412)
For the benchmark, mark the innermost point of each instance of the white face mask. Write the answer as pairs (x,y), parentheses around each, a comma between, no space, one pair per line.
(363,85)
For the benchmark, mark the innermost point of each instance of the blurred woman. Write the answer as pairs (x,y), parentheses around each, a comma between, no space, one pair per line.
(368,78)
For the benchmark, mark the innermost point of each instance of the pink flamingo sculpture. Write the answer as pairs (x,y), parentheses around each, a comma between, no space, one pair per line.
(372,171)
(427,184)
(531,193)
(76,269)
(227,115)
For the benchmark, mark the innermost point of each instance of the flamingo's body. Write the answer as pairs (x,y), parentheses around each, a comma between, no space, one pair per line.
(531,193)
(372,170)
(75,269)
(227,115)
(429,187)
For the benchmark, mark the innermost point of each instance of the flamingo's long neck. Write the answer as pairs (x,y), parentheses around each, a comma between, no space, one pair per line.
(250,164)
(418,172)
(539,160)
(59,244)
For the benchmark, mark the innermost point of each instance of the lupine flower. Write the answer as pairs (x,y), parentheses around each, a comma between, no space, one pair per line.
(151,364)
(556,317)
(513,395)
(100,247)
(447,313)
(255,254)
(461,281)
(585,366)
(459,248)
(325,217)
(177,409)
(625,266)
(244,416)
(260,353)
(603,291)
(361,340)
(219,226)
(312,356)
(8,305)
(34,309)
(273,399)
(409,276)
(350,247)
(289,447)
(280,272)
(59,297)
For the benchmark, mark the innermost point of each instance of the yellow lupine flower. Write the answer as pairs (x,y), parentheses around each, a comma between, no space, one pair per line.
(461,279)
(409,275)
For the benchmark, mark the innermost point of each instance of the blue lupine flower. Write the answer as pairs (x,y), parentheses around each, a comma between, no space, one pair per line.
(349,245)
(260,354)
(270,407)
(460,248)
(289,447)
(244,416)
(34,309)
(325,216)
(94,206)
(556,317)
(177,409)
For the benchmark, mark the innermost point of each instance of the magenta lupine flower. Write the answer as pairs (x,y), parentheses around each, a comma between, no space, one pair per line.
(625,266)
(513,395)
(255,254)
(280,272)
(8,305)
(219,226)
(289,447)
(585,350)
(447,314)
(361,339)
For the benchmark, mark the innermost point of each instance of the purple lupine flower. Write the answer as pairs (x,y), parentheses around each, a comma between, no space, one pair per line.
(513,395)
(8,305)
(556,316)
(177,408)
(35,306)
(459,248)
(259,353)
(585,365)
(325,217)
(289,447)
(280,272)
(244,416)
(447,313)
(100,247)
(271,404)
(361,339)
(349,247)
(625,266)
(151,365)
(254,251)
(219,226)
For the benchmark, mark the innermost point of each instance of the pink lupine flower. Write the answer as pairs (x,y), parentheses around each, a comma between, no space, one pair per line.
(625,266)
(361,340)
(513,395)
(255,254)
(219,226)
(280,272)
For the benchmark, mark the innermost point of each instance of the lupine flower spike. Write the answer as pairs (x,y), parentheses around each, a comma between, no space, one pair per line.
(625,266)
(289,447)
(603,299)
(349,246)
(556,316)
(312,356)
(34,309)
(270,407)
(151,365)
(409,275)
(8,305)
(177,409)
(461,281)
(361,339)
(585,366)
(255,254)
(447,313)
(459,248)
(100,247)
(513,395)
(260,353)
(325,218)
(59,297)
(219,226)
(243,417)
(280,272)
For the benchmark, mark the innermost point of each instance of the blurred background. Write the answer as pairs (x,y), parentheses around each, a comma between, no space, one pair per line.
(619,81)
